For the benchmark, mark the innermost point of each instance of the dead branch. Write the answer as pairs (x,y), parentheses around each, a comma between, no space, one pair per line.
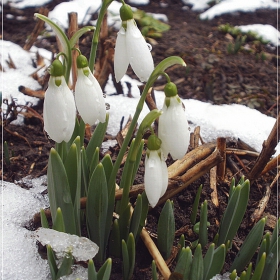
(213,186)
(271,164)
(221,167)
(267,151)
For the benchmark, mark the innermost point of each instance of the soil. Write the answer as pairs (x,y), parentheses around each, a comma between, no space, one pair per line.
(213,75)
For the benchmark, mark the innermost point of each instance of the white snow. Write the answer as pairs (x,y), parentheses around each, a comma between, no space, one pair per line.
(20,258)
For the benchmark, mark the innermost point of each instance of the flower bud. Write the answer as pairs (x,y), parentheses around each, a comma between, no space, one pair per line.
(126,12)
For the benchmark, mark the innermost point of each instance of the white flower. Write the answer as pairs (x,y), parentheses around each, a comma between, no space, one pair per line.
(89,97)
(132,48)
(173,128)
(156,176)
(59,110)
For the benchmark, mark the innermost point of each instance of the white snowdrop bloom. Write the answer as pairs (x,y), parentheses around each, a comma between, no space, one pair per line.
(173,128)
(59,110)
(131,48)
(89,97)
(156,173)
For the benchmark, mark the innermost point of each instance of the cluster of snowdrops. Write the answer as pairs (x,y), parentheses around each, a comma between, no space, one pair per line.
(61,104)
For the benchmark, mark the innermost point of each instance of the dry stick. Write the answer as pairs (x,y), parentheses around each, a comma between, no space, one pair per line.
(263,202)
(221,167)
(160,263)
(271,164)
(267,151)
(213,186)
(73,27)
(39,27)
(196,137)
(239,152)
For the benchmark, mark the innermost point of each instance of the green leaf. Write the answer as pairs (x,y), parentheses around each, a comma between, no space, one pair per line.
(166,229)
(136,216)
(154,271)
(79,130)
(59,192)
(124,221)
(195,205)
(213,261)
(181,244)
(44,220)
(248,272)
(197,265)
(65,268)
(248,247)
(131,253)
(203,234)
(233,275)
(108,166)
(259,268)
(59,223)
(115,240)
(80,33)
(92,274)
(125,257)
(104,272)
(94,161)
(52,262)
(85,173)
(144,212)
(234,213)
(264,247)
(96,138)
(96,209)
(272,263)
(275,234)
(184,263)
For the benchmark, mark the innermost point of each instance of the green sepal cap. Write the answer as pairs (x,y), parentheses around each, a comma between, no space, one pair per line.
(126,12)
(56,69)
(82,61)
(170,90)
(154,143)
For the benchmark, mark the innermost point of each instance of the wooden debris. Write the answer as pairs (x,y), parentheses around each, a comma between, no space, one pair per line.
(30,92)
(10,62)
(221,167)
(263,202)
(39,27)
(213,186)
(122,133)
(160,263)
(267,151)
(271,164)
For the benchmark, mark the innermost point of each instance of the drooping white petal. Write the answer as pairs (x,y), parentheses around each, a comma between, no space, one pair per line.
(59,111)
(139,55)
(164,176)
(173,129)
(154,177)
(121,60)
(89,98)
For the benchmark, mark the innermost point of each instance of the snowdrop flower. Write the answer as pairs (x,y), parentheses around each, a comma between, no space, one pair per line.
(59,106)
(88,94)
(131,48)
(173,128)
(156,174)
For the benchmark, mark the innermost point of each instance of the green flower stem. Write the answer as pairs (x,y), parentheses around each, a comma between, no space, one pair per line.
(161,67)
(95,39)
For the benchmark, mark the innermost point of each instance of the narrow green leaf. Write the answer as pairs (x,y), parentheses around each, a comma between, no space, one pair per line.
(243,275)
(59,223)
(92,274)
(181,245)
(264,248)
(272,263)
(52,262)
(195,205)
(94,161)
(96,209)
(115,240)
(108,166)
(249,271)
(6,154)
(65,268)
(97,138)
(213,261)
(44,220)
(137,162)
(124,222)
(125,258)
(184,263)
(248,247)
(131,254)
(197,265)
(275,234)
(59,192)
(234,213)
(136,216)
(79,130)
(154,271)
(166,229)
(85,173)
(259,268)
(203,234)
(232,186)
(241,181)
(145,209)
(104,272)
(233,275)
(61,148)
(80,33)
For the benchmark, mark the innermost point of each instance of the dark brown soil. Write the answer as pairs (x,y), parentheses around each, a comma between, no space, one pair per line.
(212,75)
